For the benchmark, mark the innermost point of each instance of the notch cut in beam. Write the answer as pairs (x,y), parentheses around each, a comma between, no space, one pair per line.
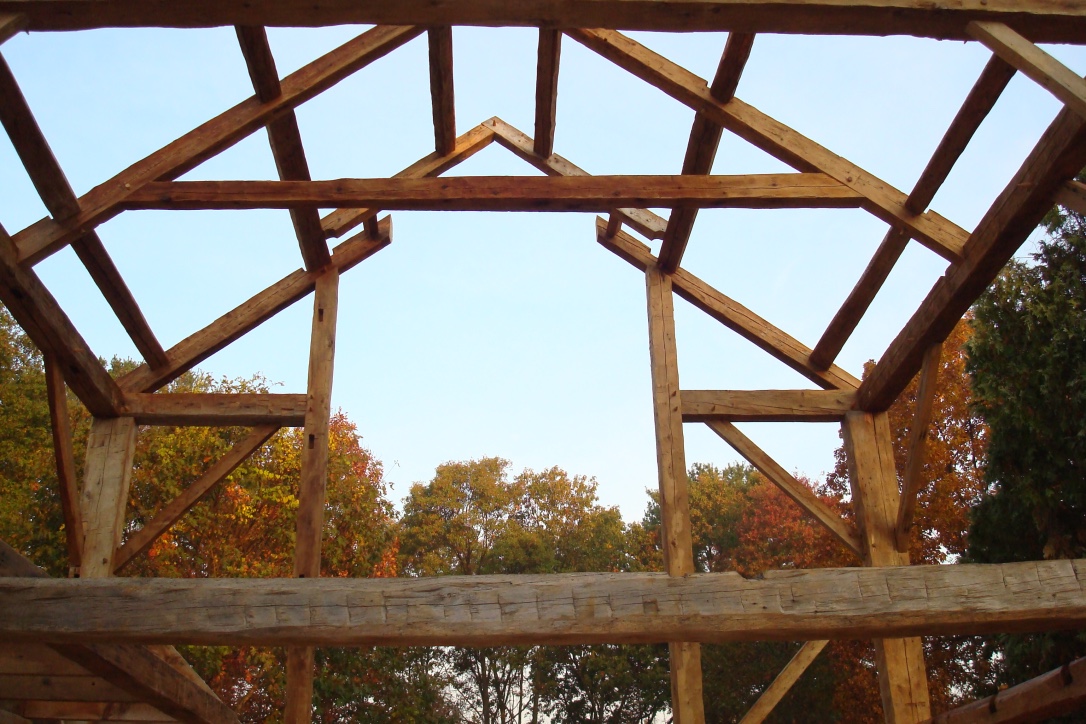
(442,98)
(784,682)
(215,409)
(505,193)
(766,405)
(784,143)
(843,603)
(1058,692)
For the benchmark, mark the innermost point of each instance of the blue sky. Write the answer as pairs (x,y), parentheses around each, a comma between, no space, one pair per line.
(513,334)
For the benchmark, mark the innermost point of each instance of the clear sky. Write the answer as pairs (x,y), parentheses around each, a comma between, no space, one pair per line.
(504,334)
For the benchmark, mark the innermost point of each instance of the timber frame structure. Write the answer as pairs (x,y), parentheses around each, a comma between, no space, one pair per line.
(96,647)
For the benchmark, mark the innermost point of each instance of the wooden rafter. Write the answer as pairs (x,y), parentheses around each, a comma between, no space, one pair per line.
(92,711)
(784,682)
(775,138)
(57,394)
(59,198)
(1045,21)
(766,405)
(441,88)
(546,89)
(47,236)
(215,409)
(1056,693)
(701,148)
(1073,196)
(286,142)
(918,435)
(983,96)
(10,24)
(841,603)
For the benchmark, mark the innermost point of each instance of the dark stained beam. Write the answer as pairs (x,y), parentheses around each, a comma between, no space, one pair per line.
(441,88)
(546,89)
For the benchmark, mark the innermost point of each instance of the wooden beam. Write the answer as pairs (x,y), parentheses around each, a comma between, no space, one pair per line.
(730,313)
(505,193)
(546,89)
(766,405)
(11,24)
(686,686)
(775,138)
(197,347)
(107,473)
(215,409)
(92,711)
(1055,77)
(784,682)
(1058,157)
(1059,692)
(842,603)
(701,148)
(918,435)
(993,80)
(341,221)
(37,659)
(57,395)
(17,687)
(10,717)
(800,494)
(441,88)
(139,541)
(104,201)
(14,564)
(872,477)
(1072,196)
(1044,21)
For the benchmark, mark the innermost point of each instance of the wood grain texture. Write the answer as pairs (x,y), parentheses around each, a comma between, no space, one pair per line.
(798,492)
(208,409)
(442,97)
(60,424)
(504,193)
(775,138)
(1056,159)
(142,539)
(784,682)
(104,201)
(766,405)
(1056,693)
(548,60)
(1044,20)
(93,711)
(60,688)
(844,603)
(200,345)
(107,473)
(916,455)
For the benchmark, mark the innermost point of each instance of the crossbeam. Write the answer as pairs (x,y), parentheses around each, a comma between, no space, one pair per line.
(766,405)
(215,409)
(842,603)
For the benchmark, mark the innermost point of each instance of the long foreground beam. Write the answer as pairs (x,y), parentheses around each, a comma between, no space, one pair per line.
(1041,20)
(841,603)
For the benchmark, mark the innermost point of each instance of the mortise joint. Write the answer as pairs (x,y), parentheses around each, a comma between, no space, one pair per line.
(320,314)
(312,441)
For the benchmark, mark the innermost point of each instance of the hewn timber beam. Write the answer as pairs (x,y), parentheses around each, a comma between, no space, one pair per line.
(16,687)
(1043,20)
(1059,692)
(57,395)
(10,717)
(215,409)
(92,711)
(701,148)
(44,237)
(197,347)
(730,313)
(1058,157)
(644,221)
(441,88)
(548,58)
(37,312)
(980,101)
(801,153)
(766,405)
(10,24)
(286,142)
(1052,75)
(843,603)
(1072,196)
(13,563)
(918,436)
(783,683)
(800,494)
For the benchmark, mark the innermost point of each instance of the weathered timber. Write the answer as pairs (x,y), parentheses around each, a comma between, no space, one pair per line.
(91,711)
(548,59)
(1057,158)
(784,682)
(10,717)
(104,201)
(1052,75)
(11,24)
(441,88)
(60,688)
(215,409)
(107,474)
(57,395)
(505,193)
(701,148)
(341,221)
(775,138)
(142,539)
(730,313)
(766,405)
(1072,195)
(800,493)
(1043,20)
(918,436)
(37,659)
(192,350)
(12,563)
(286,142)
(845,603)
(1057,693)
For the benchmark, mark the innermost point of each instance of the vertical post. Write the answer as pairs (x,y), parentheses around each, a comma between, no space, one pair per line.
(686,696)
(107,475)
(903,679)
(311,489)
